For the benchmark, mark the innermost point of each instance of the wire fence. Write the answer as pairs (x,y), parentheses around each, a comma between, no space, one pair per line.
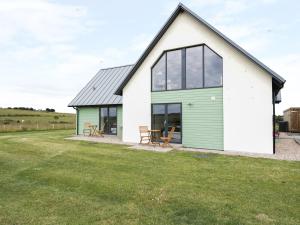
(37,126)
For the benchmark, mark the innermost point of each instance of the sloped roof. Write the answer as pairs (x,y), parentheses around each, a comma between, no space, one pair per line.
(100,90)
(277,79)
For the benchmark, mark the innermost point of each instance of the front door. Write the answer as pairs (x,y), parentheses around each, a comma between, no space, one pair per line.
(166,116)
(108,119)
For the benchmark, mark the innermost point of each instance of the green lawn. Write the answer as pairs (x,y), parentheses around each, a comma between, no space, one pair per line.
(45,179)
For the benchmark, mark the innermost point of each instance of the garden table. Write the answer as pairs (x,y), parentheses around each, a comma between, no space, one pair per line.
(154,136)
(93,130)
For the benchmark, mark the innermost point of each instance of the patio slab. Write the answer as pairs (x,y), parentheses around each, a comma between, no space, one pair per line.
(109,139)
(286,148)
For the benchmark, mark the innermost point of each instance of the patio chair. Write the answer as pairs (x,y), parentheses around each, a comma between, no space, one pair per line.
(144,134)
(87,129)
(167,139)
(100,132)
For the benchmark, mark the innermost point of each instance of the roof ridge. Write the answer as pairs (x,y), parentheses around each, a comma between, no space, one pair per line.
(114,67)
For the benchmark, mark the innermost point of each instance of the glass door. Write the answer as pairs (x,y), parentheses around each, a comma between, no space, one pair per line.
(108,120)
(158,118)
(174,120)
(112,120)
(166,116)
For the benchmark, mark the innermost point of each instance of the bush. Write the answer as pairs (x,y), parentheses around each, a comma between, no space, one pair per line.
(50,110)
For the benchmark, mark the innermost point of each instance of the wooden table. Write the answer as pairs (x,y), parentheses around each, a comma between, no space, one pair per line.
(154,139)
(93,130)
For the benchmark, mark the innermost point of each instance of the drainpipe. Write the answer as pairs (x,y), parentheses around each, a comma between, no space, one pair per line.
(76,119)
(274,121)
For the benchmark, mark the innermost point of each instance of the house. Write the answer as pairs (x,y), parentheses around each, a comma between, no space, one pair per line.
(191,77)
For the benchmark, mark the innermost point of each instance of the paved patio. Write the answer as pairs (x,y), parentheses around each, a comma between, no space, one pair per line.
(286,147)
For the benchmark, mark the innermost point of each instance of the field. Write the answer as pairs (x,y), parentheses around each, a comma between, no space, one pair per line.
(22,120)
(48,180)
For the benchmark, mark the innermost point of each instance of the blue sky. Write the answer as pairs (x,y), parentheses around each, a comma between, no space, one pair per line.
(50,49)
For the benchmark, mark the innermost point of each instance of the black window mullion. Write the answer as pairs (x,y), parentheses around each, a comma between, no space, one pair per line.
(108,125)
(183,70)
(166,120)
(99,118)
(203,70)
(166,75)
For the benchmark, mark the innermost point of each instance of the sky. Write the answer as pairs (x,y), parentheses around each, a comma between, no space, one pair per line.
(50,49)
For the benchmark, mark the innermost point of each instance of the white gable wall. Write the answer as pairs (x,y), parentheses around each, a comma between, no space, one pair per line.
(247,90)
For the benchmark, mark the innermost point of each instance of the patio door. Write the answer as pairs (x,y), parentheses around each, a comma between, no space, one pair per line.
(108,119)
(166,116)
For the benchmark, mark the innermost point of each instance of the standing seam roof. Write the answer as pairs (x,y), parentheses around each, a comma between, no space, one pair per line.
(101,88)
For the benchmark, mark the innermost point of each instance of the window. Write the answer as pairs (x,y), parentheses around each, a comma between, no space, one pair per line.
(108,120)
(159,75)
(174,78)
(166,116)
(194,67)
(213,68)
(187,68)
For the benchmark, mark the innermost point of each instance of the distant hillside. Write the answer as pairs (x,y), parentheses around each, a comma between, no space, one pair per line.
(18,120)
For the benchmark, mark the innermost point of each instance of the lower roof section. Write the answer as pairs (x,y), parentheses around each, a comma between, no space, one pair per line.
(102,87)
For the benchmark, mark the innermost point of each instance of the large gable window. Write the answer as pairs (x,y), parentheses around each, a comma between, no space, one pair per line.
(188,68)
(194,67)
(174,65)
(159,75)
(213,68)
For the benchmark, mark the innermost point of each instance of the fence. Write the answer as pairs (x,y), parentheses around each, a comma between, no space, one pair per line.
(37,126)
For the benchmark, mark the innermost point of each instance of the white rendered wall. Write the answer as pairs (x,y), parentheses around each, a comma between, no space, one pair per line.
(247,90)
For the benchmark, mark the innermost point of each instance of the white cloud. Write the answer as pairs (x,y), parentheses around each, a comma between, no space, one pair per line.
(40,60)
(40,20)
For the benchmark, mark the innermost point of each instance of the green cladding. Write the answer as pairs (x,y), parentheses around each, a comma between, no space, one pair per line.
(202,115)
(87,115)
(91,115)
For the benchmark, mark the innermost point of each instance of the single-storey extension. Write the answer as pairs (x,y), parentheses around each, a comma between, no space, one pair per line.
(191,77)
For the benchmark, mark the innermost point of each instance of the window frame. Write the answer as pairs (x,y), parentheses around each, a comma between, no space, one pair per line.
(183,68)
(167,118)
(166,75)
(108,115)
(204,66)
(154,64)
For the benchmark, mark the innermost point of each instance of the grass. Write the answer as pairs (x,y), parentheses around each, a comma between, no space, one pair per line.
(22,120)
(48,180)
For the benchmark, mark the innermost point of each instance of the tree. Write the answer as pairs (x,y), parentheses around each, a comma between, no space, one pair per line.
(50,110)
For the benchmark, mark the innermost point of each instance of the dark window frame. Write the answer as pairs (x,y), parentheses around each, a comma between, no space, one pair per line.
(166,85)
(183,68)
(166,117)
(159,58)
(204,65)
(108,107)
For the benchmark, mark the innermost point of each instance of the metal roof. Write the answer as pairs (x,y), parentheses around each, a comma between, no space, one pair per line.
(101,88)
(277,79)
